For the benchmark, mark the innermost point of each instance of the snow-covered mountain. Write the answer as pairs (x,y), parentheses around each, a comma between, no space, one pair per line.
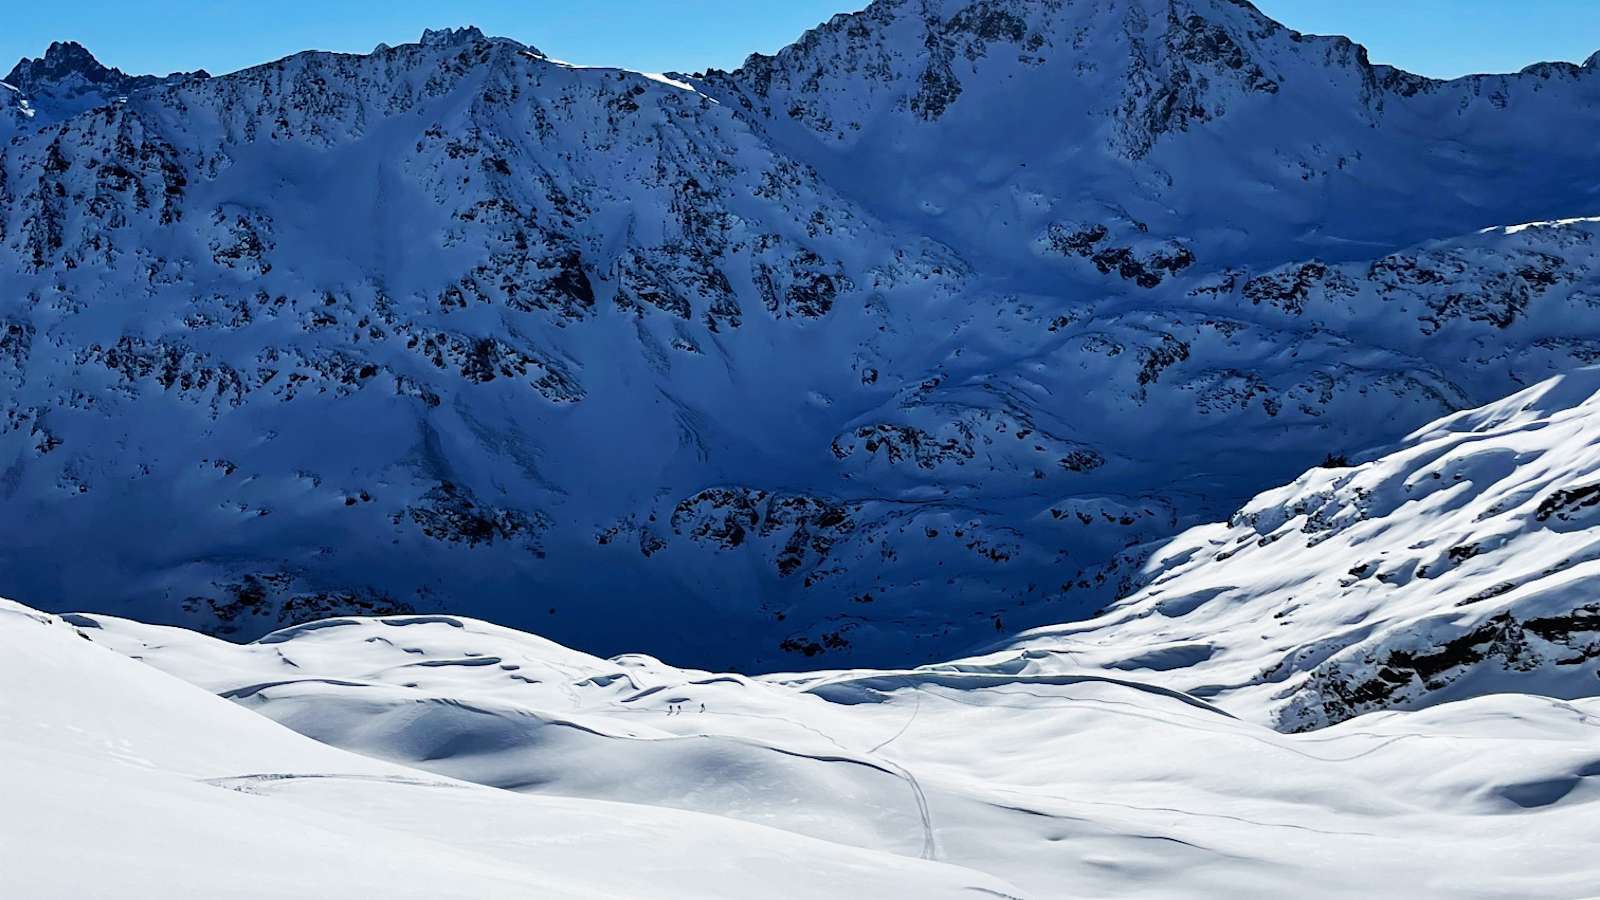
(867,351)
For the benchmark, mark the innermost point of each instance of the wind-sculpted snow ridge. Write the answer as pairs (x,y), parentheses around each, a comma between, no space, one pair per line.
(120,781)
(1458,563)
(1058,784)
(673,363)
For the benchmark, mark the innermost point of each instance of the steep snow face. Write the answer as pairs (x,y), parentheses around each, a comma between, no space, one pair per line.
(451,326)
(174,792)
(1058,784)
(1458,563)
(15,110)
(990,122)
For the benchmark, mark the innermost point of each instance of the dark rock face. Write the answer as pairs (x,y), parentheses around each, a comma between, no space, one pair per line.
(61,61)
(725,517)
(1568,504)
(1145,266)
(276,600)
(794,281)
(1289,289)
(451,513)
(1402,677)
(794,532)
(900,443)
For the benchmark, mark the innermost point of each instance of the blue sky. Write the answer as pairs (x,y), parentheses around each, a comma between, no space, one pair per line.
(1435,37)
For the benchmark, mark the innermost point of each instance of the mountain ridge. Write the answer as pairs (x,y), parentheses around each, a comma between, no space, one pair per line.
(403,307)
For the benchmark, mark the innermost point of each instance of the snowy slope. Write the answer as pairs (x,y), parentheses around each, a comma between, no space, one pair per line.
(120,781)
(1457,563)
(1077,785)
(15,110)
(645,363)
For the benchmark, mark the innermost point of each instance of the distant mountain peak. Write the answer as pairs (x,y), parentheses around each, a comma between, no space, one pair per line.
(61,61)
(440,37)
(1160,66)
(68,79)
(468,35)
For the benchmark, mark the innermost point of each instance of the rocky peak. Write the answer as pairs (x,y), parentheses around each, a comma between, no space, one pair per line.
(467,35)
(922,57)
(68,80)
(444,37)
(61,62)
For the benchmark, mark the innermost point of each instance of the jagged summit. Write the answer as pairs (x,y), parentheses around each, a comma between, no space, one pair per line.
(434,38)
(68,65)
(1235,28)
(1180,118)
(68,79)
(62,60)
(441,37)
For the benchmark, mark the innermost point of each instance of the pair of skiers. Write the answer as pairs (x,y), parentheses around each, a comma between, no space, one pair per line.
(676,709)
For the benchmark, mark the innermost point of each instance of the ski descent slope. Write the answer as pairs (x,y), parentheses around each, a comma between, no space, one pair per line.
(120,781)
(1064,785)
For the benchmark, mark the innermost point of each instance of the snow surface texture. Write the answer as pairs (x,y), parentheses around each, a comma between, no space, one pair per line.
(865,353)
(1460,562)
(1068,785)
(122,782)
